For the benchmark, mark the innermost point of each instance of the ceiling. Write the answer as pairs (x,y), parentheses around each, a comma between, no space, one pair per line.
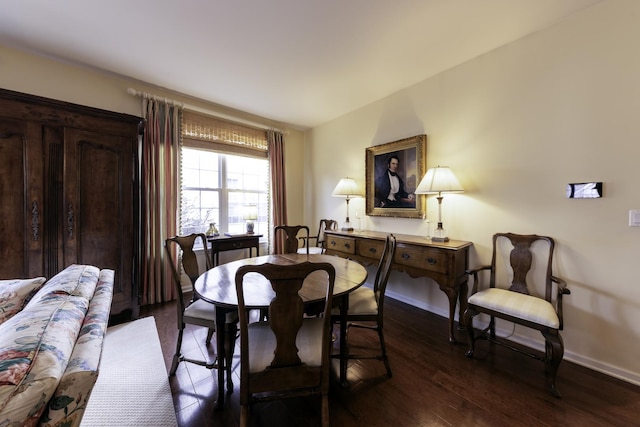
(297,62)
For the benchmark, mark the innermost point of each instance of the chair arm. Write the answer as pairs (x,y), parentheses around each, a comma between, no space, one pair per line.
(474,273)
(562,290)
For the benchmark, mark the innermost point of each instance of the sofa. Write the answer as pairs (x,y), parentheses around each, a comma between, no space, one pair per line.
(51,339)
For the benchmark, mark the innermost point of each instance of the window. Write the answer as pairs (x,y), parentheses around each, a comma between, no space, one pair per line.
(218,187)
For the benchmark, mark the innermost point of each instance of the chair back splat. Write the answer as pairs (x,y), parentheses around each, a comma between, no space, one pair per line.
(287,355)
(523,290)
(293,235)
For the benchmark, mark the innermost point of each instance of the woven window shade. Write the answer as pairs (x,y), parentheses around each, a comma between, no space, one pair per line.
(217,134)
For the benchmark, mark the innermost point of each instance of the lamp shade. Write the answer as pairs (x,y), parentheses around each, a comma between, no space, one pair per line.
(250,212)
(347,187)
(439,180)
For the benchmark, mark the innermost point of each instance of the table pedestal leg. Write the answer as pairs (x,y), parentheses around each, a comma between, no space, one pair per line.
(221,354)
(344,351)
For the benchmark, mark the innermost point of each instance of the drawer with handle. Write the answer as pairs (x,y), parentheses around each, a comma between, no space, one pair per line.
(425,259)
(341,244)
(370,248)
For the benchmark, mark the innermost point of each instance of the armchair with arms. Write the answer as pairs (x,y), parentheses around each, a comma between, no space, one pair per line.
(516,259)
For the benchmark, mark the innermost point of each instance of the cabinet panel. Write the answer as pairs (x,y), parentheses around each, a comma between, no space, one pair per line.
(21,207)
(98,189)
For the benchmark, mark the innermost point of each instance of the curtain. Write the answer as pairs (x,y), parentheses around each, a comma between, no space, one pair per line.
(278,192)
(160,201)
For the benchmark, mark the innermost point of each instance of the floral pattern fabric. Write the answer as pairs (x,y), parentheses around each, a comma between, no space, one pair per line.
(50,350)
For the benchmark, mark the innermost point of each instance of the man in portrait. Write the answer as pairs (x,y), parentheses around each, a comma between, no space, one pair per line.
(389,187)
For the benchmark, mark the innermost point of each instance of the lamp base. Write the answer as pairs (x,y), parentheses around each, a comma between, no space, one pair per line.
(347,228)
(250,226)
(439,234)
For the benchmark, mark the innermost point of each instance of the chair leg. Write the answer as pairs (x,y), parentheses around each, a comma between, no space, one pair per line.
(244,415)
(209,335)
(325,410)
(176,356)
(554,347)
(468,324)
(383,348)
(230,344)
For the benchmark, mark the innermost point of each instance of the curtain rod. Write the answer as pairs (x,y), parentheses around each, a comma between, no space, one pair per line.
(147,95)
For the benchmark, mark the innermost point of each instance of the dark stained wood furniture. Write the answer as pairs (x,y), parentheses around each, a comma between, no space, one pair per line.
(231,243)
(288,354)
(292,237)
(70,190)
(319,238)
(180,253)
(366,305)
(444,262)
(536,305)
(217,286)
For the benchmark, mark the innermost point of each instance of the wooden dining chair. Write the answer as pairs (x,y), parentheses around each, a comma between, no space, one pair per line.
(522,290)
(181,256)
(292,235)
(366,305)
(287,355)
(318,246)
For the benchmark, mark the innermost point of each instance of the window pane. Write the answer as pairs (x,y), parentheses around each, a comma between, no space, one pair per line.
(202,196)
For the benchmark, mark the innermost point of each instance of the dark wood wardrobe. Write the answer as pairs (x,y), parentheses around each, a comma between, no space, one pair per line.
(70,192)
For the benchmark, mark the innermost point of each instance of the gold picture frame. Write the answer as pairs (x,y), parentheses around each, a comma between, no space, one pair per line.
(408,156)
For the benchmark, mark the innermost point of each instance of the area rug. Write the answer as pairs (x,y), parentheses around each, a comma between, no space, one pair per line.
(132,387)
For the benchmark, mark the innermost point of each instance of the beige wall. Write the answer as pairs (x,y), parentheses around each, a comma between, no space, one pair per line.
(38,75)
(517,125)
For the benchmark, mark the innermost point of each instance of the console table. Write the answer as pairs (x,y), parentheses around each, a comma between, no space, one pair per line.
(233,242)
(444,262)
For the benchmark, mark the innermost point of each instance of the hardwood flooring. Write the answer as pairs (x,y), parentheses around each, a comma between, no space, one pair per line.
(433,384)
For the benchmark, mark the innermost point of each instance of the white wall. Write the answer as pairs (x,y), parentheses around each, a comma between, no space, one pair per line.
(516,125)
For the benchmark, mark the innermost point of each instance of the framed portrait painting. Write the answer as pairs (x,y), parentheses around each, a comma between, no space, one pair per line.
(393,171)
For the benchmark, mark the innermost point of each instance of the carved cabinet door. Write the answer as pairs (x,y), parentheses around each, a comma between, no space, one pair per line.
(21,199)
(98,205)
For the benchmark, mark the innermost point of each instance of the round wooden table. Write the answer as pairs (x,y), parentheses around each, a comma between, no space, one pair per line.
(218,287)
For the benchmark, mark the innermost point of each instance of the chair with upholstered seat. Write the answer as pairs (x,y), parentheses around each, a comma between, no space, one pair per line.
(196,312)
(287,355)
(366,305)
(521,289)
(318,246)
(292,235)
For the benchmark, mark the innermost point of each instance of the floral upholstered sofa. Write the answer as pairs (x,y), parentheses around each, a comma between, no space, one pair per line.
(51,339)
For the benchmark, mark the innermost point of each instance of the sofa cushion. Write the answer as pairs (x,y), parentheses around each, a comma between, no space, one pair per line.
(70,399)
(36,344)
(15,294)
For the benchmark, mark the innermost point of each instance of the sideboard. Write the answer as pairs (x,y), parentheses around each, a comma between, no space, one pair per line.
(444,262)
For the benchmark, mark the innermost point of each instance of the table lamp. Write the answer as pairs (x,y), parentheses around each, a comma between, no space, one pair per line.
(437,181)
(347,187)
(250,214)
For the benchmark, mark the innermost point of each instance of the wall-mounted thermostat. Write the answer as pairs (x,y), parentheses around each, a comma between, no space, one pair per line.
(634,218)
(584,190)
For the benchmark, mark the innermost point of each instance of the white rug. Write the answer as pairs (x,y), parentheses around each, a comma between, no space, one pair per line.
(132,387)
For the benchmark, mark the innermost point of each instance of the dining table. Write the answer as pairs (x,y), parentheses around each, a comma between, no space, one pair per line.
(217,286)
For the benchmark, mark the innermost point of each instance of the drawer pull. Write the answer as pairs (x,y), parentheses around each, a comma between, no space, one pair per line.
(405,256)
(332,243)
(347,245)
(431,261)
(373,250)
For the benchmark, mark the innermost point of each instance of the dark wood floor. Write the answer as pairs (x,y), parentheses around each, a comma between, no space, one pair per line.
(433,384)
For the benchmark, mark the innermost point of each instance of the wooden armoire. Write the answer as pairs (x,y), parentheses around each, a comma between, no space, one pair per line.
(70,192)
